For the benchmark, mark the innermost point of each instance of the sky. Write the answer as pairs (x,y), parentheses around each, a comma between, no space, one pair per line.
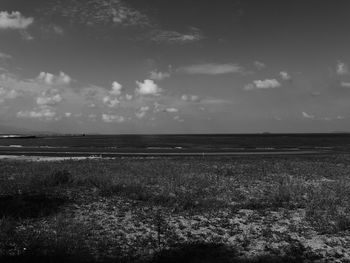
(175,66)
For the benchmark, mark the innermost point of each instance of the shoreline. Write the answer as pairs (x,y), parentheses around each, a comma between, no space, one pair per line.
(61,156)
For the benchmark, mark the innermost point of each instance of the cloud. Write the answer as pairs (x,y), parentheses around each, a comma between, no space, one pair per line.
(92,117)
(285,75)
(307,116)
(128,16)
(110,101)
(342,68)
(97,13)
(157,75)
(45,99)
(174,37)
(116,89)
(142,112)
(5,56)
(172,110)
(57,30)
(7,94)
(50,79)
(147,87)
(267,84)
(215,101)
(110,118)
(46,77)
(249,86)
(50,30)
(263,84)
(42,98)
(14,20)
(345,84)
(212,69)
(192,98)
(259,65)
(177,118)
(26,36)
(41,113)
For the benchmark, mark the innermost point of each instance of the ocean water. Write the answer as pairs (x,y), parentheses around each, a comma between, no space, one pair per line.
(219,143)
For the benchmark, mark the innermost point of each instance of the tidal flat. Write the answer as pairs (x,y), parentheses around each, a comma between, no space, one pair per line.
(176,209)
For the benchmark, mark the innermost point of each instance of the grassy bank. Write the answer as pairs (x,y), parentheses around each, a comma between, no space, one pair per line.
(245,209)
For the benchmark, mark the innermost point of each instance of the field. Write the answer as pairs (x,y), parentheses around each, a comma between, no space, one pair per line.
(183,209)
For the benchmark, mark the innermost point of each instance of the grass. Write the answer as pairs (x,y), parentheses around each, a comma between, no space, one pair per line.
(29,206)
(38,194)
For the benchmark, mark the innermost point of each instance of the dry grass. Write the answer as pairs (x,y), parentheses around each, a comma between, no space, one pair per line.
(37,190)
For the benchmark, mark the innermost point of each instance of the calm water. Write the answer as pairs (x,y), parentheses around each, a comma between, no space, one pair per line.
(176,143)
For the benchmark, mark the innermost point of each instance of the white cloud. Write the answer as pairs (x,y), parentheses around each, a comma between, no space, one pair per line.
(193,35)
(171,110)
(64,78)
(215,101)
(142,112)
(128,16)
(193,98)
(58,30)
(42,113)
(147,87)
(8,94)
(285,75)
(116,89)
(110,102)
(212,69)
(5,56)
(249,86)
(14,20)
(263,84)
(25,35)
(51,79)
(267,83)
(185,97)
(42,99)
(259,65)
(342,68)
(156,107)
(45,99)
(307,116)
(109,118)
(46,77)
(177,118)
(157,75)
(51,30)
(345,84)
(12,94)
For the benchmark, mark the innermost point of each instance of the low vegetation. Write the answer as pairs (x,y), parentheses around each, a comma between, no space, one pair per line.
(247,209)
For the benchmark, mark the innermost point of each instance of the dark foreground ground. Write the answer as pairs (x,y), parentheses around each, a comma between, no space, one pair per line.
(180,209)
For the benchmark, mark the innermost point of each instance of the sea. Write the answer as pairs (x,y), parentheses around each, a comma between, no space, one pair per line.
(175,144)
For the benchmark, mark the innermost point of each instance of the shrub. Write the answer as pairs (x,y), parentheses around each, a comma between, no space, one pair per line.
(328,207)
